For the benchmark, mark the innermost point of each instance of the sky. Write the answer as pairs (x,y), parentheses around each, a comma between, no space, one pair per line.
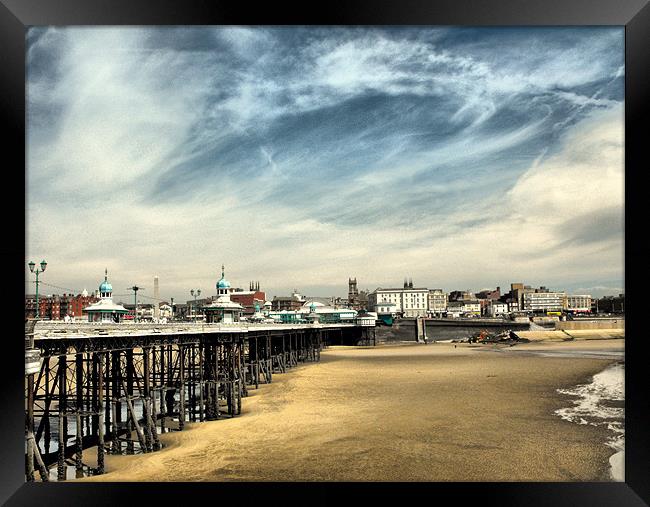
(463,158)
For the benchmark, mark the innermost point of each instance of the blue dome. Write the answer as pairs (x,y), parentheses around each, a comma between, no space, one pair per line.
(105,287)
(223,283)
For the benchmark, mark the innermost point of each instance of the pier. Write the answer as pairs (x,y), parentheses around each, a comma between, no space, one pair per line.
(117,387)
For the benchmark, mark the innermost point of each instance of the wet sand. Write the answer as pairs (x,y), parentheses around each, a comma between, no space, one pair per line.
(437,412)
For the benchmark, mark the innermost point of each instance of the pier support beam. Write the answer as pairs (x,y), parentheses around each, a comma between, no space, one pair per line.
(181,416)
(100,411)
(61,468)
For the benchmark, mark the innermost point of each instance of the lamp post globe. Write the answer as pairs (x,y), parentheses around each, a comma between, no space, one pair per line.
(36,271)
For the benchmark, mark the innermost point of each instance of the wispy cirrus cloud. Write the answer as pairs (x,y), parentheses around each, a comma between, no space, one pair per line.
(300,156)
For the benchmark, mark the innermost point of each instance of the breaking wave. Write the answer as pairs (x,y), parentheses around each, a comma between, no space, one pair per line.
(599,403)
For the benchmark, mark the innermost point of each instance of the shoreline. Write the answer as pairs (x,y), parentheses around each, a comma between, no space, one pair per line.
(397,412)
(595,403)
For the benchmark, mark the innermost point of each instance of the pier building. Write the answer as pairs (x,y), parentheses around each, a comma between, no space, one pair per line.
(223,309)
(105,310)
(311,309)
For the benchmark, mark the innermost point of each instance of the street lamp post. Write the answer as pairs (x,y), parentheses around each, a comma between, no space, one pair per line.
(135,290)
(172,315)
(195,293)
(36,271)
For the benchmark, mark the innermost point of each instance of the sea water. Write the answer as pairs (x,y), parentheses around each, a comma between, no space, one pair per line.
(600,403)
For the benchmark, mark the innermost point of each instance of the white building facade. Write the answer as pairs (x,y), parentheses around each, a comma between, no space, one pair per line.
(497,309)
(437,302)
(472,307)
(408,301)
(544,301)
(578,303)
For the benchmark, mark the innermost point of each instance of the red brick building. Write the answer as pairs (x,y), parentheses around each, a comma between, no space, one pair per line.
(56,307)
(248,298)
(49,307)
(78,303)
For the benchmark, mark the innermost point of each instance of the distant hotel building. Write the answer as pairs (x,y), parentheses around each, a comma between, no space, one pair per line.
(579,303)
(544,301)
(437,302)
(409,301)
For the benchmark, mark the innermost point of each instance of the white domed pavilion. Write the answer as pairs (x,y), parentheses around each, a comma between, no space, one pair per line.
(105,310)
(223,310)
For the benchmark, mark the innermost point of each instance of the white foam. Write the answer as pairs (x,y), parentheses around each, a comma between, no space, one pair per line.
(591,407)
(617,466)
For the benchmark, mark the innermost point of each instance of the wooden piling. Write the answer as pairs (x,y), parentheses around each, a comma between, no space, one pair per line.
(29,428)
(201,386)
(60,467)
(162,384)
(146,402)
(116,407)
(45,420)
(42,469)
(181,416)
(134,420)
(100,412)
(128,393)
(79,407)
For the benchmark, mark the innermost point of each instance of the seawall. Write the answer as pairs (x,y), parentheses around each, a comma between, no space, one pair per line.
(580,334)
(614,323)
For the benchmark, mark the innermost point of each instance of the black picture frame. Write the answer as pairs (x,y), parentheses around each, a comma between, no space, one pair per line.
(17,15)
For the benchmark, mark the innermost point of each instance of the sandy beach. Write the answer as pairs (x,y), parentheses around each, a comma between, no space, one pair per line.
(437,412)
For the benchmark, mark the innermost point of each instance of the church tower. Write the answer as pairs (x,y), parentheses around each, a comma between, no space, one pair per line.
(353,293)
